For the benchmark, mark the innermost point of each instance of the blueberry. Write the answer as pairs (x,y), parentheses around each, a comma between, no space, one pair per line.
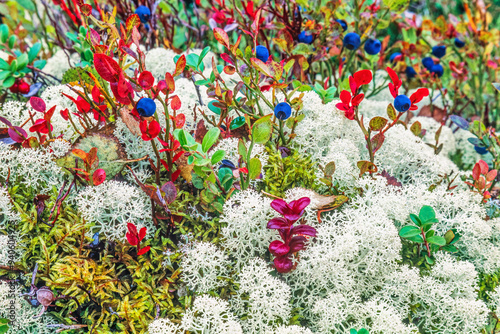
(410,72)
(402,103)
(395,55)
(439,51)
(144,13)
(373,46)
(282,111)
(438,70)
(262,53)
(352,41)
(481,150)
(343,24)
(459,43)
(146,107)
(428,62)
(305,38)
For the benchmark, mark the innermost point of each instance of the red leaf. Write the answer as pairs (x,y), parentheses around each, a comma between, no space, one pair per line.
(143,250)
(394,77)
(278,248)
(15,136)
(227,58)
(175,103)
(38,104)
(142,233)
(345,97)
(86,9)
(98,177)
(483,166)
(357,100)
(221,37)
(180,65)
(363,77)
(180,120)
(107,67)
(261,66)
(419,95)
(353,85)
(176,174)
(476,171)
(95,38)
(177,156)
(146,80)
(49,113)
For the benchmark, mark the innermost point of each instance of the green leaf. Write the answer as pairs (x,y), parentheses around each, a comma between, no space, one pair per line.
(363,331)
(415,219)
(12,41)
(237,122)
(4,65)
(353,331)
(22,61)
(427,214)
(262,130)
(40,64)
(254,168)
(377,123)
(210,138)
(391,112)
(5,74)
(330,168)
(214,108)
(242,150)
(27,4)
(429,260)
(203,54)
(449,236)
(436,240)
(13,66)
(409,231)
(33,52)
(4,33)
(417,238)
(397,5)
(218,156)
(7,83)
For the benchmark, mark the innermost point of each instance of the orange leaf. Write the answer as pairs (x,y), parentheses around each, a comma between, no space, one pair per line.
(79,153)
(492,174)
(221,37)
(133,21)
(180,65)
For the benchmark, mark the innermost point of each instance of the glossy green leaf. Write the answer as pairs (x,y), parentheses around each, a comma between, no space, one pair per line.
(217,156)
(262,130)
(427,214)
(254,168)
(210,138)
(436,240)
(409,231)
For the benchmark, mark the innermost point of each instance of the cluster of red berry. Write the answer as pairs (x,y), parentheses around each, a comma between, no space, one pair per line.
(20,87)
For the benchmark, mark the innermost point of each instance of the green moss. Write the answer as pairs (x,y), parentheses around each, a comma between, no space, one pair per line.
(294,170)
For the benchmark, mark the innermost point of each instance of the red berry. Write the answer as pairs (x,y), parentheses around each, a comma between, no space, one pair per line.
(24,88)
(14,88)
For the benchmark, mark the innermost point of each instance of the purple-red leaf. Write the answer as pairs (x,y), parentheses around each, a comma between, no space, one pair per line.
(38,104)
